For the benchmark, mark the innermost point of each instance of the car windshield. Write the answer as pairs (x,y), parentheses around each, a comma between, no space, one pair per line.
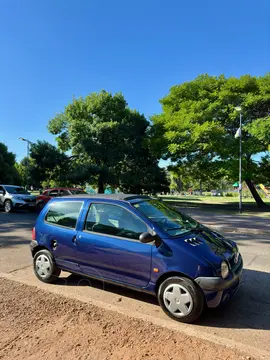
(170,220)
(16,190)
(77,191)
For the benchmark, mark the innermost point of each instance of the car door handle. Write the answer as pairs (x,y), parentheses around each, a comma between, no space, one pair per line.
(74,240)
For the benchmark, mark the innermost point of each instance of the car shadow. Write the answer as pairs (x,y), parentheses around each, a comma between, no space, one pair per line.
(10,241)
(249,308)
(78,280)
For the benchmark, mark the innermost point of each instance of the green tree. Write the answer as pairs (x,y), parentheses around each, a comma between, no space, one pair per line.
(142,174)
(107,137)
(199,120)
(264,170)
(46,165)
(195,173)
(8,171)
(22,170)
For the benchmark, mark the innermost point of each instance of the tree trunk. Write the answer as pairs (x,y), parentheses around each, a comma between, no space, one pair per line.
(255,194)
(100,185)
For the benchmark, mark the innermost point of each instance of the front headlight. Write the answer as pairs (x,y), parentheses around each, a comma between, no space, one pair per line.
(18,198)
(224,269)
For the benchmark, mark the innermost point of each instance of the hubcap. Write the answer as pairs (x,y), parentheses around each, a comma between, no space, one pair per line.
(177,300)
(8,206)
(43,266)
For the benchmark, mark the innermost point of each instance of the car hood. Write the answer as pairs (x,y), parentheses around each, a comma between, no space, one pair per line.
(24,196)
(209,245)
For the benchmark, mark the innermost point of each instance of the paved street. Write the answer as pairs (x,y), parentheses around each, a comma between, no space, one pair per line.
(244,323)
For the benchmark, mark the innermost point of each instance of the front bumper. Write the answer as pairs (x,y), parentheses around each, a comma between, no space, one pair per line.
(217,290)
(24,205)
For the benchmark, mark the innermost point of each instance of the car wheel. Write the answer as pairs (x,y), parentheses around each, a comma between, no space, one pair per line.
(181,299)
(40,206)
(44,267)
(8,206)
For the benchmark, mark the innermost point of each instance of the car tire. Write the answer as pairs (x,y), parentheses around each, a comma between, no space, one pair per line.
(181,299)
(44,267)
(8,206)
(40,206)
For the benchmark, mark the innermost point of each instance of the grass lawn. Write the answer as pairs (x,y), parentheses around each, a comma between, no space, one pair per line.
(222,204)
(210,199)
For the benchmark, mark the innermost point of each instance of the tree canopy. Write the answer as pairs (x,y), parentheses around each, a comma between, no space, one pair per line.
(48,163)
(8,170)
(264,170)
(109,140)
(47,166)
(199,121)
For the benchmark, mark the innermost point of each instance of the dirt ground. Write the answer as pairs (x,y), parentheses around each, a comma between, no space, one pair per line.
(35,324)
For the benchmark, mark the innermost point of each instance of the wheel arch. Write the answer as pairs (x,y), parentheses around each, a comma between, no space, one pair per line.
(8,200)
(168,275)
(38,248)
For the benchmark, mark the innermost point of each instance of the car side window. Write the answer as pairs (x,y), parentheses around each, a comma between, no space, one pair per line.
(114,220)
(63,192)
(53,193)
(64,213)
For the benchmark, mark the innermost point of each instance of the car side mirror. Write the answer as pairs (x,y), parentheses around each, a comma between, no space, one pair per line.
(146,237)
(1,192)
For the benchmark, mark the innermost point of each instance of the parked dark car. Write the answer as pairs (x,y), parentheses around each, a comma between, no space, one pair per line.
(140,243)
(48,194)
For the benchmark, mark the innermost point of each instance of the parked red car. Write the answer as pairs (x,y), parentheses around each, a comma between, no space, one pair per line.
(50,193)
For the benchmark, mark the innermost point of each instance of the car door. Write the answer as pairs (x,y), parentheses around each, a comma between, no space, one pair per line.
(108,246)
(58,231)
(2,195)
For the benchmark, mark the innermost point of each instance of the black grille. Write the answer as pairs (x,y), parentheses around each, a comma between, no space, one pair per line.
(29,200)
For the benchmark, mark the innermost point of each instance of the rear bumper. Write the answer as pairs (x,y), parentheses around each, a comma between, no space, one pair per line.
(33,244)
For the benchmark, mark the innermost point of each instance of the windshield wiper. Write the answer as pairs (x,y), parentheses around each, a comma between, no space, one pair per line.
(177,228)
(198,228)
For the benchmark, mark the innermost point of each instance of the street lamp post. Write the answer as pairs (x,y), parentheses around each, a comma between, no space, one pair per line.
(239,133)
(28,154)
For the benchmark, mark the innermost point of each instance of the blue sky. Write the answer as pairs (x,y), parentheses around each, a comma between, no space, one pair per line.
(54,50)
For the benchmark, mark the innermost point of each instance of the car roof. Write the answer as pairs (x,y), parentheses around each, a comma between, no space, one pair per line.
(62,188)
(17,186)
(121,197)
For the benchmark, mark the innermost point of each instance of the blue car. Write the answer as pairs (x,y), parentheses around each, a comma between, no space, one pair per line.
(137,242)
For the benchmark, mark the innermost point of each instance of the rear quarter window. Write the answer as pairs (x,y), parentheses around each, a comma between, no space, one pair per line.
(64,213)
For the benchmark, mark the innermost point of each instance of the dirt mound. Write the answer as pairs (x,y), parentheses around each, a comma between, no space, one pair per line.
(35,324)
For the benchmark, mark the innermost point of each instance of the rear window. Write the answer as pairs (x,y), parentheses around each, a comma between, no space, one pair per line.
(64,213)
(53,193)
(77,191)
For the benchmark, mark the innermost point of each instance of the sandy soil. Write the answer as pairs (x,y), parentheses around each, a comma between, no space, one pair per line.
(35,324)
